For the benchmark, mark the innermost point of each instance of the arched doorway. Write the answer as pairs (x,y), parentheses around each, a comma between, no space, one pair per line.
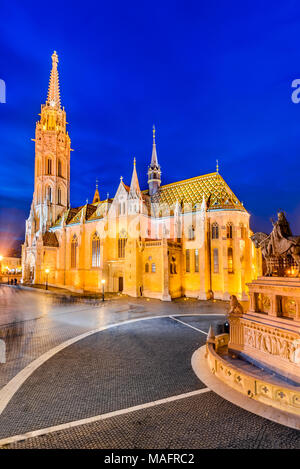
(30,268)
(121,284)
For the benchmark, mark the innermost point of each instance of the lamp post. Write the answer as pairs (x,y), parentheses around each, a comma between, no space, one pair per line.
(103,283)
(47,273)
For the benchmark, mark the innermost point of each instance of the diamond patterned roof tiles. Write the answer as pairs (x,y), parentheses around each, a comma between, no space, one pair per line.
(217,193)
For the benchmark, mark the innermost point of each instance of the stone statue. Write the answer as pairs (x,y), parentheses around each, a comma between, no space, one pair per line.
(279,244)
(281,237)
(235,306)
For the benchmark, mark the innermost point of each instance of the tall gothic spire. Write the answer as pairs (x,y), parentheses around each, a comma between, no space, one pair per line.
(53,98)
(135,190)
(154,172)
(154,162)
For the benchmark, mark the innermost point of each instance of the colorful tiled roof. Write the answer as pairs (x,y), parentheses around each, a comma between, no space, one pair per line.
(85,212)
(217,193)
(50,239)
(100,210)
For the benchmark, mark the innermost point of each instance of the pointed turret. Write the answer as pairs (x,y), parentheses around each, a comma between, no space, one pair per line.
(96,198)
(154,171)
(53,98)
(135,190)
(211,335)
(154,162)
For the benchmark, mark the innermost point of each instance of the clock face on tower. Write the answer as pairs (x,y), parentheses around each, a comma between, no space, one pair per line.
(52,103)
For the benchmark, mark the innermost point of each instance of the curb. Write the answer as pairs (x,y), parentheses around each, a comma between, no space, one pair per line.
(203,372)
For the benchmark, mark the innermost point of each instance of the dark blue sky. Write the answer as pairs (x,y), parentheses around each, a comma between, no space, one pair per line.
(214,77)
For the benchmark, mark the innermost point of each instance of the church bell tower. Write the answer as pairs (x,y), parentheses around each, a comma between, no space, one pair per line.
(52,158)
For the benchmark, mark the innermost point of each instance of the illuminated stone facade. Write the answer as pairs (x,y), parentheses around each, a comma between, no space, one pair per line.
(186,238)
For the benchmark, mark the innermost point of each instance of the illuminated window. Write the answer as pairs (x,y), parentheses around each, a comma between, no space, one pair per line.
(215,231)
(196,260)
(146,267)
(121,244)
(49,166)
(229,230)
(74,246)
(216,260)
(191,233)
(95,251)
(230,261)
(187,261)
(153,267)
(49,194)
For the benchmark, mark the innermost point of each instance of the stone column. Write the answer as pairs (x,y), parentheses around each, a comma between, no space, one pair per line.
(165,271)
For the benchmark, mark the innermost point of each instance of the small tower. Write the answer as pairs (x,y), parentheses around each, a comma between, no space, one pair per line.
(135,196)
(52,157)
(96,198)
(135,191)
(154,171)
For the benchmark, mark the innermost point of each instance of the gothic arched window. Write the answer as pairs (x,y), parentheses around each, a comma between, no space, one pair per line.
(49,193)
(146,267)
(196,259)
(121,244)
(230,261)
(187,260)
(229,230)
(74,247)
(215,231)
(95,250)
(49,166)
(59,172)
(216,261)
(59,196)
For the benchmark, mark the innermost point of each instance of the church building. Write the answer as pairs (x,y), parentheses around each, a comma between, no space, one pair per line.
(187,238)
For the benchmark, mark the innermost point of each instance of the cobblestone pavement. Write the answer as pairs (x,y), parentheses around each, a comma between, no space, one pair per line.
(110,370)
(203,421)
(131,364)
(31,323)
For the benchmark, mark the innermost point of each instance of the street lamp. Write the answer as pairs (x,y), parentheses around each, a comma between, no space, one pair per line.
(47,273)
(103,283)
